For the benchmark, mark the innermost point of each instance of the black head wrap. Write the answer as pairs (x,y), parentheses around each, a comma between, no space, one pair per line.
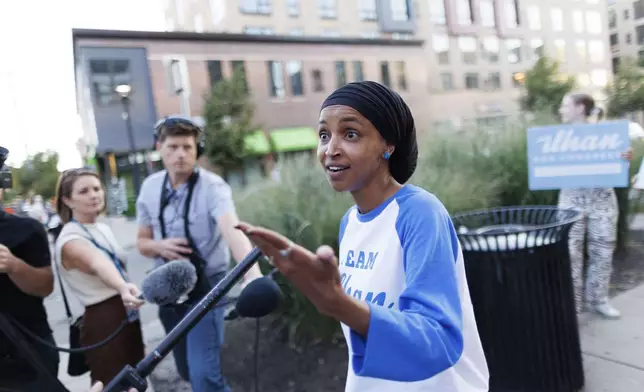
(391,116)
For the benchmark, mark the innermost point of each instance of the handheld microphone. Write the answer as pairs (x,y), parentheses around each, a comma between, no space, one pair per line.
(136,377)
(166,284)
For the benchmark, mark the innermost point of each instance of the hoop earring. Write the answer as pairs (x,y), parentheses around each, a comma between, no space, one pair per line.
(386,155)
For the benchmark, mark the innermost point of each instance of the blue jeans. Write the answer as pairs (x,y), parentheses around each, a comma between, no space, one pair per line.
(198,354)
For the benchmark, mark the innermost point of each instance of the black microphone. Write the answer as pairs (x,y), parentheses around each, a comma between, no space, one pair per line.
(169,282)
(259,298)
(136,377)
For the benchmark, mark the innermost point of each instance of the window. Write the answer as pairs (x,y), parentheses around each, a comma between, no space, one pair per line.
(437,13)
(580,45)
(594,22)
(577,21)
(491,49)
(447,82)
(217,11)
(294,72)
(486,9)
(276,79)
(614,40)
(385,78)
(214,71)
(400,74)
(464,12)
(198,23)
(514,50)
(358,75)
(612,19)
(557,19)
(400,11)
(512,13)
(639,32)
(367,10)
(596,51)
(327,9)
(177,74)
(467,46)
(471,81)
(629,38)
(296,32)
(560,50)
(105,75)
(340,74)
(370,34)
(254,30)
(615,67)
(626,14)
(293,8)
(240,66)
(638,9)
(534,17)
(330,33)
(493,81)
(536,44)
(262,7)
(401,36)
(440,45)
(318,84)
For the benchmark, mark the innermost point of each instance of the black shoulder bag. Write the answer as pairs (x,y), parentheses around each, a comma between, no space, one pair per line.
(76,365)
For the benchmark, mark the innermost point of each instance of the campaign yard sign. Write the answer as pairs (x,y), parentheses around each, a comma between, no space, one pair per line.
(578,156)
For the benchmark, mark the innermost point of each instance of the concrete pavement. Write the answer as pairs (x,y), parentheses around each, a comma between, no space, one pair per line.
(614,349)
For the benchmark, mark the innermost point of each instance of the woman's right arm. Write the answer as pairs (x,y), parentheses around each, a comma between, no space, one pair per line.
(79,254)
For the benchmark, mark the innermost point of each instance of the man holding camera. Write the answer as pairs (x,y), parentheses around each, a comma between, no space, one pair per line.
(185,212)
(25,279)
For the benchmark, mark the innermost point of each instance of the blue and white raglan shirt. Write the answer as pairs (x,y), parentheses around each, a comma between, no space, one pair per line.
(404,259)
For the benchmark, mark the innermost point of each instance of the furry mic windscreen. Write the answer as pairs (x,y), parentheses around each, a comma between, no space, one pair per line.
(168,283)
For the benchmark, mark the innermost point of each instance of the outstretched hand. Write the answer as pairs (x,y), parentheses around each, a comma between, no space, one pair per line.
(316,275)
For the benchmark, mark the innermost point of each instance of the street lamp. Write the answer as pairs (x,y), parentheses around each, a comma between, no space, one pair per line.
(124,91)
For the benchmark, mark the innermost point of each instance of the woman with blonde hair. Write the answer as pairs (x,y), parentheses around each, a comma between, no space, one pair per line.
(92,264)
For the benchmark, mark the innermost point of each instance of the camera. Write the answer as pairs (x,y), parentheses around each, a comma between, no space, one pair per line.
(6,178)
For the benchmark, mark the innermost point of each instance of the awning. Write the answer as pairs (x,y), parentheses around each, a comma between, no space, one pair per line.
(294,139)
(257,143)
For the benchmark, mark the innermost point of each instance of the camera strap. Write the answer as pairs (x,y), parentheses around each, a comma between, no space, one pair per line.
(196,259)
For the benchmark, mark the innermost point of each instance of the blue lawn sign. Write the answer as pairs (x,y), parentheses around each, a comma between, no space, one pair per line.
(578,156)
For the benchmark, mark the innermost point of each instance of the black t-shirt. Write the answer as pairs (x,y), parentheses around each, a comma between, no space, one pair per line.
(27,239)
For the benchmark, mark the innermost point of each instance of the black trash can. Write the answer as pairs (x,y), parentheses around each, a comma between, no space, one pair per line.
(518,271)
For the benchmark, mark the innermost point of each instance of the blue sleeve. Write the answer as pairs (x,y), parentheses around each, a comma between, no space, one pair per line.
(423,337)
(343,225)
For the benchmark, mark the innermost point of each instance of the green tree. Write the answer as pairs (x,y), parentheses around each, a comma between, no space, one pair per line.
(545,87)
(38,174)
(228,113)
(626,92)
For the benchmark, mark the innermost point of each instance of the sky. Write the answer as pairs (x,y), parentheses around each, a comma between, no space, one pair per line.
(37,91)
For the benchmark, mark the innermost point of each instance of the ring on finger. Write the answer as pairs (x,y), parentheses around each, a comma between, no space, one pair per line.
(286,252)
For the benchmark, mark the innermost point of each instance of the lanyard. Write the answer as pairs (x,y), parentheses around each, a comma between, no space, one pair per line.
(117,262)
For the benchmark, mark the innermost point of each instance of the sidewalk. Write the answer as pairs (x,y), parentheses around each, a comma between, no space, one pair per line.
(613,350)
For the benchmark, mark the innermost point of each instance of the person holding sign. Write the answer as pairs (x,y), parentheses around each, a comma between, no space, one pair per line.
(599,223)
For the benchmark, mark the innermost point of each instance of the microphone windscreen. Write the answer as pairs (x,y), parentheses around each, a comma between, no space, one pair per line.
(166,284)
(259,298)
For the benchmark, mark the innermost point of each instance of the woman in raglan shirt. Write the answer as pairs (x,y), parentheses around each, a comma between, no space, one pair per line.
(400,291)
